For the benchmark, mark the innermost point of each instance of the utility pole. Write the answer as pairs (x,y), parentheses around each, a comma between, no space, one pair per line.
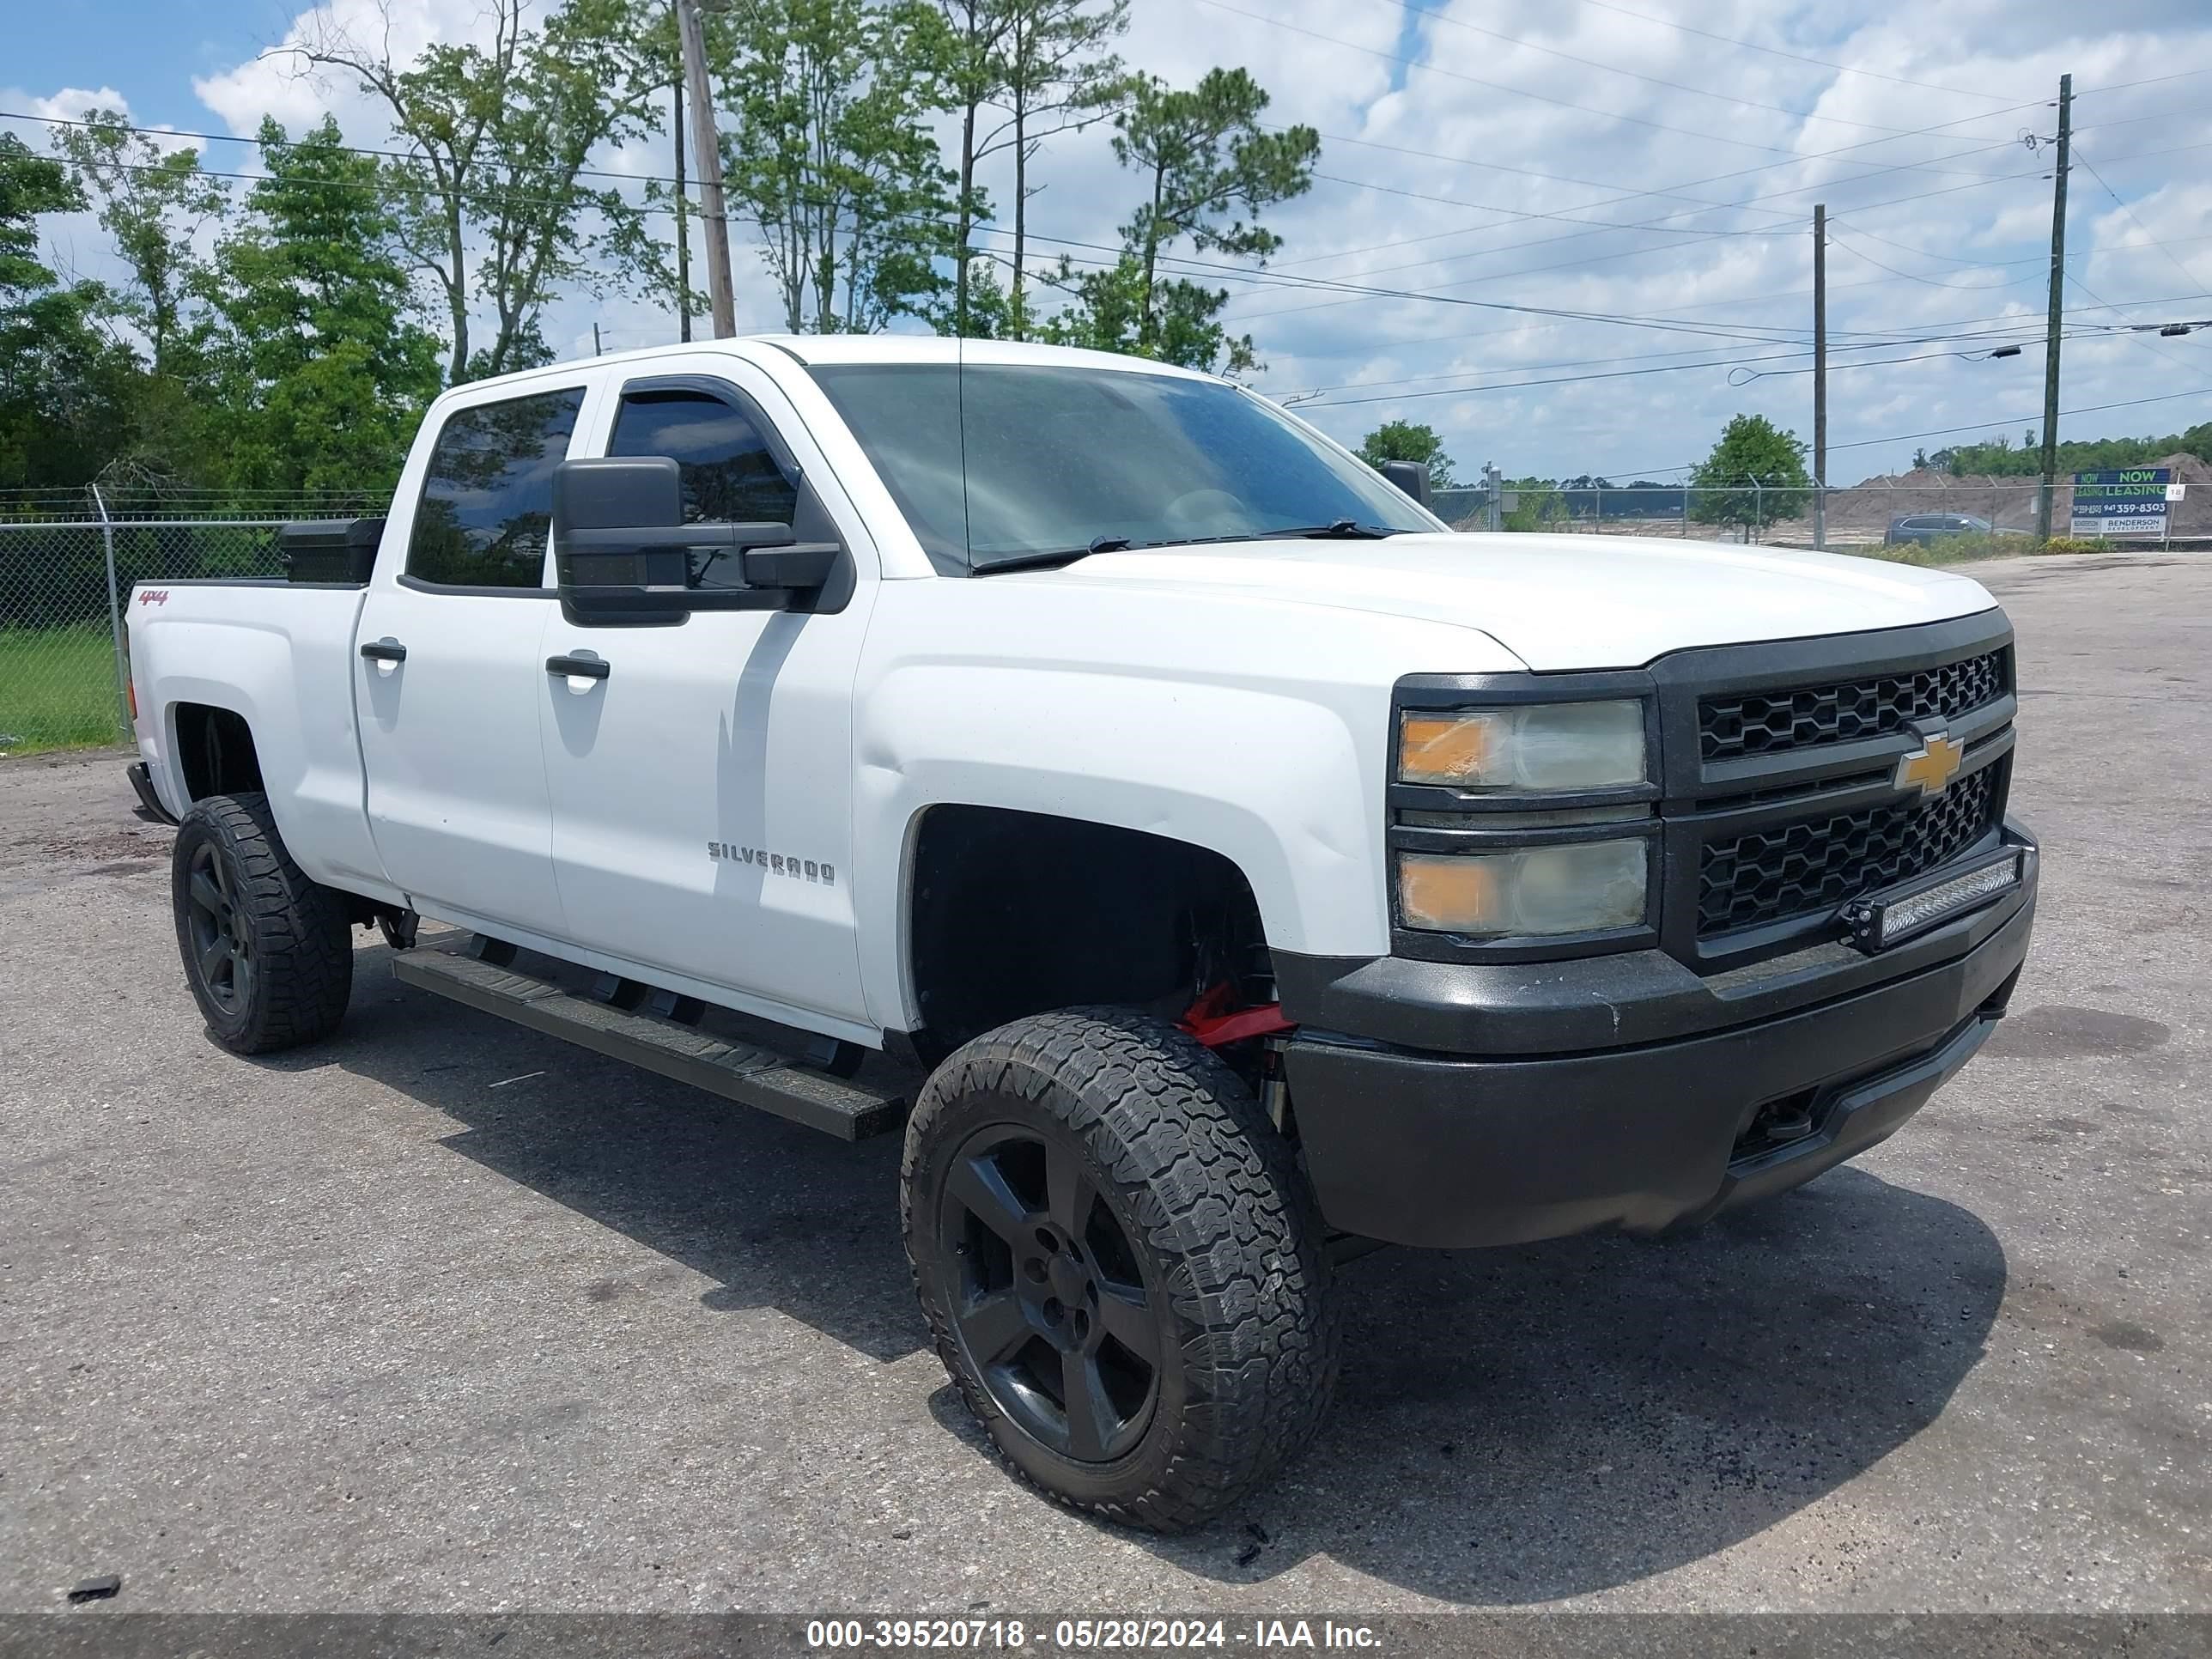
(714,228)
(1493,510)
(1820,374)
(682,236)
(2045,497)
(595,340)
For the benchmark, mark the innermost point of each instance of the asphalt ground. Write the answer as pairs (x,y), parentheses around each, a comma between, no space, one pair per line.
(447,1316)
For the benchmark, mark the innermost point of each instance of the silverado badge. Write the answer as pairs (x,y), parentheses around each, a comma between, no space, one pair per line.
(1930,768)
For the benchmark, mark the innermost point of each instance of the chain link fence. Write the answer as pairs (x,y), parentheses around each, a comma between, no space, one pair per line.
(1856,518)
(68,562)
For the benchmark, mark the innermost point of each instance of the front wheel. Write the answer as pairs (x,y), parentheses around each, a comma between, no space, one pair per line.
(1121,1265)
(266,950)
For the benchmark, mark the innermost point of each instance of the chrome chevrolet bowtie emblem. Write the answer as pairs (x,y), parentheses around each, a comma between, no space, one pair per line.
(1930,768)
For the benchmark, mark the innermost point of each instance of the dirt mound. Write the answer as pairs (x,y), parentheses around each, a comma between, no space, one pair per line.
(1862,512)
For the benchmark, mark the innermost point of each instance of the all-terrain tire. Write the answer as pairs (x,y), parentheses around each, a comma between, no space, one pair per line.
(282,954)
(1216,1216)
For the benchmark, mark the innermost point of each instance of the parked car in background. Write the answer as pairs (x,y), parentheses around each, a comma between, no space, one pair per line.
(1926,527)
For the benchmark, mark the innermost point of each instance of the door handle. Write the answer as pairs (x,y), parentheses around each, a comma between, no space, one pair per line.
(384,651)
(582,668)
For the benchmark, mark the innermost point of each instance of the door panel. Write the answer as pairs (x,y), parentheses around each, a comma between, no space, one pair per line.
(702,791)
(457,771)
(450,730)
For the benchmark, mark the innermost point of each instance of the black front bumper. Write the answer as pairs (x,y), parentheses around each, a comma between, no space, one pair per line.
(1494,1130)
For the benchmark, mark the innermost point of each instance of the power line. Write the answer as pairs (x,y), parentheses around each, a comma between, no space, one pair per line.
(2034,258)
(2010,420)
(2011,337)
(1845,238)
(1629,253)
(2172,258)
(1185,264)
(1629,373)
(1675,192)
(1868,207)
(1978,425)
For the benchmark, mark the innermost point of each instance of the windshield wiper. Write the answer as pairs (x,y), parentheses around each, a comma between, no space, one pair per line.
(1343,530)
(1348,530)
(1053,557)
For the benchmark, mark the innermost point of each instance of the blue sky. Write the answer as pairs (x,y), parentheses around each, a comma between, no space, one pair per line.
(1486,154)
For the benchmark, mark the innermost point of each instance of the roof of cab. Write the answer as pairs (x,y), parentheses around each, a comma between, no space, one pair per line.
(826,349)
(829,349)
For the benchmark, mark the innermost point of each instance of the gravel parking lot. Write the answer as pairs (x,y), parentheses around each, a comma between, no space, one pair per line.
(447,1316)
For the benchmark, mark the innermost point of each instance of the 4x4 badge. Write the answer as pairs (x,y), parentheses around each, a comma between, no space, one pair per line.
(1930,768)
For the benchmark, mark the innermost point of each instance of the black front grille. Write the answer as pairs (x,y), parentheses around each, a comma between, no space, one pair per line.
(1767,722)
(1816,864)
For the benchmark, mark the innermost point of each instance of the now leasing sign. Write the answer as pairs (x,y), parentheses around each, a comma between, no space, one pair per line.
(2127,501)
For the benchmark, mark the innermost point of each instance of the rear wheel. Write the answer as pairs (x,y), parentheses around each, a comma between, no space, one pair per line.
(266,951)
(1119,1263)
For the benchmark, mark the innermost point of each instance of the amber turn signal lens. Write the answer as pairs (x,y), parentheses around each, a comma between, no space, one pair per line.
(1449,747)
(1535,892)
(1450,895)
(1530,749)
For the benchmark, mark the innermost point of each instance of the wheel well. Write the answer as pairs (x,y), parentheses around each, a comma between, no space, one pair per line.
(1018,912)
(215,748)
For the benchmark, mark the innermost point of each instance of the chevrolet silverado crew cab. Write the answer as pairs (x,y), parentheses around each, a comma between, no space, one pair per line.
(1213,863)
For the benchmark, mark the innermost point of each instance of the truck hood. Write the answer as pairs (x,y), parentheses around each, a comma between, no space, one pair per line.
(1565,602)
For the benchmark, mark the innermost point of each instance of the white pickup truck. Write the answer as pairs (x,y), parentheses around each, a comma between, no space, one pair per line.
(1229,865)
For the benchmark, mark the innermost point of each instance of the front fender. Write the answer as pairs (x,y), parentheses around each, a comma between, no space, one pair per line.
(1260,737)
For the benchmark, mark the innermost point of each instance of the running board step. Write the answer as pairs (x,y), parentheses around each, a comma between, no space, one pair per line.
(737,1071)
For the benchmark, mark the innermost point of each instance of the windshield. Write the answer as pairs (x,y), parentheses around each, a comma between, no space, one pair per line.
(1062,459)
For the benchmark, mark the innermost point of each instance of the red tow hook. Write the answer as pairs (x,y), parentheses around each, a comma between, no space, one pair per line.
(1206,1020)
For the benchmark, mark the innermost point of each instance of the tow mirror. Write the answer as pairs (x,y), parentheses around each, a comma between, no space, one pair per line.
(1411,476)
(624,553)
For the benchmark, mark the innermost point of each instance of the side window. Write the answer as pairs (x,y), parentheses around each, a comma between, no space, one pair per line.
(730,476)
(488,502)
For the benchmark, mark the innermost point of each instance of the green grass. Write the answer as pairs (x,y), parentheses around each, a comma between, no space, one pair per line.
(57,689)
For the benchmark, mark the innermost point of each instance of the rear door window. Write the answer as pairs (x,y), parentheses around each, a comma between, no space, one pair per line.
(487,503)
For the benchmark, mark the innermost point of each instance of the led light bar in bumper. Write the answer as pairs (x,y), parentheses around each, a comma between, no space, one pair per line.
(1890,918)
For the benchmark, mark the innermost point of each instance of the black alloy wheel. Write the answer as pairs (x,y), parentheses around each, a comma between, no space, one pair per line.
(220,936)
(266,950)
(1051,1304)
(1121,1263)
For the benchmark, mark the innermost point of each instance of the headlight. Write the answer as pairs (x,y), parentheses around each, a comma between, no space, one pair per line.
(1583,887)
(1540,748)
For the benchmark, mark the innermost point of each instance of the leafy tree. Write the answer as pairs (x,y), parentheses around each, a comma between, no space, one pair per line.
(1999,459)
(1059,78)
(497,137)
(833,157)
(1538,503)
(1207,158)
(1755,474)
(1209,162)
(324,366)
(969,40)
(153,203)
(1405,441)
(1107,313)
(58,377)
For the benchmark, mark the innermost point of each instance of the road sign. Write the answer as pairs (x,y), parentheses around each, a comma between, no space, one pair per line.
(2127,501)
